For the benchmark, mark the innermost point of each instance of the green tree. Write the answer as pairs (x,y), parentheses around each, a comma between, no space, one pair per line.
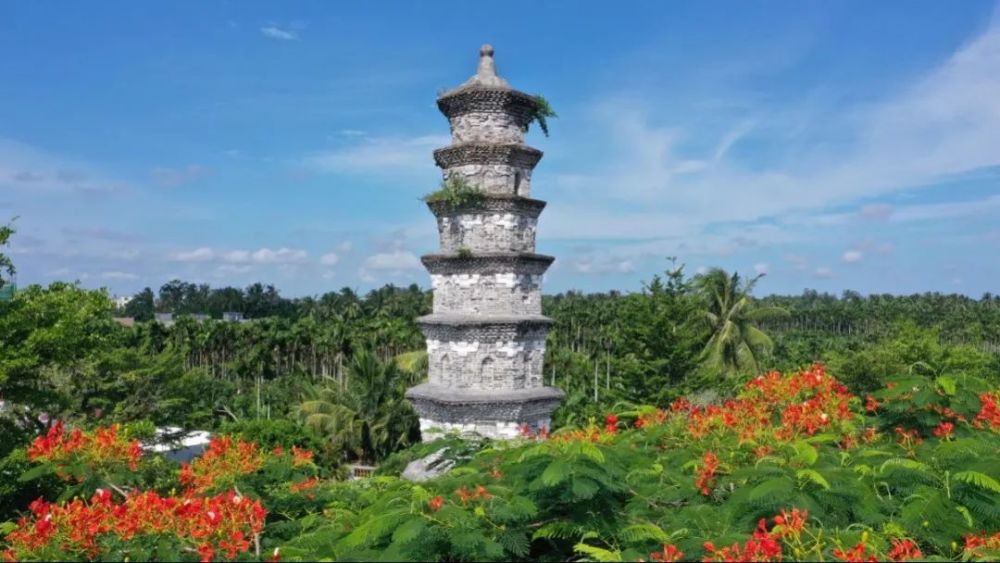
(736,345)
(6,265)
(51,343)
(142,306)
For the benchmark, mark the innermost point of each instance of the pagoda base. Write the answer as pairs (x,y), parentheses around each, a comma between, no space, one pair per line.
(497,414)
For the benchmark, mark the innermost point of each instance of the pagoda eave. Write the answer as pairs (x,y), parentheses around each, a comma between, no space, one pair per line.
(483,153)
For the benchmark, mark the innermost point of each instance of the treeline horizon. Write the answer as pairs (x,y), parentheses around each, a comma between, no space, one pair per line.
(260,300)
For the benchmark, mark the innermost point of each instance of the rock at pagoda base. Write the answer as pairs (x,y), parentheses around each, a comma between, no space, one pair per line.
(428,467)
(497,414)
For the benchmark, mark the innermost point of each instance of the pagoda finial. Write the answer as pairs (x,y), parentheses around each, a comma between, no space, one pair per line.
(486,74)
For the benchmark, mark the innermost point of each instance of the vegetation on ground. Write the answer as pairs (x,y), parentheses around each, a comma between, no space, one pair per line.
(896,456)
(794,467)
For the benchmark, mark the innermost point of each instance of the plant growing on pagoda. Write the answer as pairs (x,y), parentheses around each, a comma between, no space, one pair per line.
(541,112)
(455,192)
(464,252)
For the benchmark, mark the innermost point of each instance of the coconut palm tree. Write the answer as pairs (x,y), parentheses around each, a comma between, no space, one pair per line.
(736,345)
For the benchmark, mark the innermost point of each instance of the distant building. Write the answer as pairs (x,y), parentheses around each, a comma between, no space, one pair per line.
(168,319)
(7,291)
(232,317)
(178,445)
(125,321)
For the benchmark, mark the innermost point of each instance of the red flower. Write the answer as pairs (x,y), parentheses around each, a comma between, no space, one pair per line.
(670,553)
(944,430)
(904,550)
(790,523)
(611,424)
(989,413)
(855,555)
(301,456)
(871,405)
(706,474)
(305,485)
(435,503)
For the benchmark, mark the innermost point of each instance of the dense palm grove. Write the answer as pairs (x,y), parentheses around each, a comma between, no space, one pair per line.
(666,428)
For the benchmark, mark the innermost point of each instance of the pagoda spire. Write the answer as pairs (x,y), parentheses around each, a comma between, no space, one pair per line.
(486,74)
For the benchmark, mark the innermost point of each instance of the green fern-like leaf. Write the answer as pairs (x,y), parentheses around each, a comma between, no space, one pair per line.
(515,543)
(771,488)
(409,530)
(899,462)
(643,531)
(813,476)
(981,480)
(598,553)
(557,472)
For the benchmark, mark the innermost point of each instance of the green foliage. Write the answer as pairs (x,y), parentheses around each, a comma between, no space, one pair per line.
(15,492)
(541,113)
(622,497)
(369,419)
(6,265)
(736,344)
(464,252)
(455,192)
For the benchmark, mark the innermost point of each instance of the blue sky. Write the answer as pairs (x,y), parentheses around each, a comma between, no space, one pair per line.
(832,145)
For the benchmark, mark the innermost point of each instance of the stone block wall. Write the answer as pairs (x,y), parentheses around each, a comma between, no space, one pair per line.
(495,365)
(494,179)
(486,127)
(488,294)
(487,232)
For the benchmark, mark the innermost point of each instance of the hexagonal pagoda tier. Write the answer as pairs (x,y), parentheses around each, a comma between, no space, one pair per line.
(486,335)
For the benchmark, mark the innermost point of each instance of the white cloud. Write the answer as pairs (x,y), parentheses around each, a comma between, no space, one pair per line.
(259,256)
(119,276)
(172,177)
(397,260)
(761,268)
(279,256)
(275,32)
(345,247)
(876,211)
(27,168)
(797,262)
(203,254)
(237,256)
(945,123)
(329,259)
(606,265)
(852,256)
(823,272)
(381,155)
(950,210)
(228,269)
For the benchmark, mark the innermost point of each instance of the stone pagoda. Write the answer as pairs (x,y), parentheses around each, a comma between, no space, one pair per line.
(486,335)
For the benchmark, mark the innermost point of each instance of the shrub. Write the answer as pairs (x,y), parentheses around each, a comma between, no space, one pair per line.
(455,192)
